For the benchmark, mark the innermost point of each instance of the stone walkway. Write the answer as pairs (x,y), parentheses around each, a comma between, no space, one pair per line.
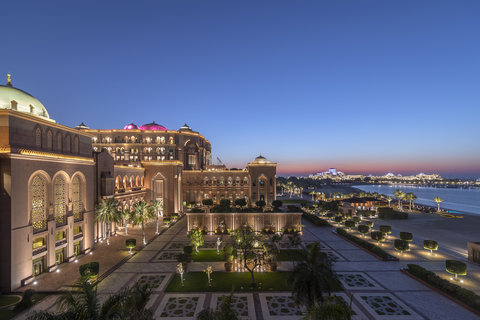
(378,289)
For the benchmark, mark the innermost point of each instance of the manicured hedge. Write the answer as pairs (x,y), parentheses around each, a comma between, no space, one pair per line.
(338,219)
(350,224)
(407,236)
(315,220)
(389,213)
(386,229)
(430,245)
(401,245)
(366,214)
(363,229)
(456,267)
(356,219)
(377,236)
(468,297)
(367,245)
(369,223)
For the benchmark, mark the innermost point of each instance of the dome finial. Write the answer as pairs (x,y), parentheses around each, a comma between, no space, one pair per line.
(9,79)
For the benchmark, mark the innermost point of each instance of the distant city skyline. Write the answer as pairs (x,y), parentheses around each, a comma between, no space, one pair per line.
(364,87)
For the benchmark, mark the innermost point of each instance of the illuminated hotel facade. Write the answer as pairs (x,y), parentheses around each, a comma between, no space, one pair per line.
(52,176)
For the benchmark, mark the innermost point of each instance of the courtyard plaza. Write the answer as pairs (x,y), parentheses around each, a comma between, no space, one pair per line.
(378,288)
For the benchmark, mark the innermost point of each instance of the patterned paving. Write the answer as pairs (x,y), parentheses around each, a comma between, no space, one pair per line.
(385,306)
(242,303)
(168,256)
(357,280)
(280,306)
(180,306)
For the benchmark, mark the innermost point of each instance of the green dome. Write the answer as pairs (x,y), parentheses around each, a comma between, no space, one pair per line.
(16,99)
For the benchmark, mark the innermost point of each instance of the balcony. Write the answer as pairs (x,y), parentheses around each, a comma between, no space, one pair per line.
(78,236)
(39,250)
(58,243)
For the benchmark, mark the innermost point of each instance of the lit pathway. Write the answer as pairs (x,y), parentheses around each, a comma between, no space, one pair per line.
(380,290)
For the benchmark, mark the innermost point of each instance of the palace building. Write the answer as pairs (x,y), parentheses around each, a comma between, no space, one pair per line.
(53,176)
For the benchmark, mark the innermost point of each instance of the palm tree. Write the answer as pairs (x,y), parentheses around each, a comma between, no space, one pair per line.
(333,308)
(410,197)
(107,212)
(312,277)
(156,207)
(389,199)
(399,194)
(438,200)
(141,215)
(83,303)
(127,217)
(312,193)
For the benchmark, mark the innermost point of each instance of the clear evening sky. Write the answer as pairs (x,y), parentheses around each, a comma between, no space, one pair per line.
(363,86)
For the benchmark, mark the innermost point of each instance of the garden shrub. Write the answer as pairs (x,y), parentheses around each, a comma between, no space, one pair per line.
(384,255)
(456,267)
(130,243)
(188,250)
(174,216)
(366,213)
(377,236)
(347,215)
(338,219)
(330,215)
(468,297)
(166,220)
(430,245)
(390,213)
(26,302)
(369,223)
(197,210)
(356,219)
(89,269)
(386,229)
(350,224)
(401,245)
(407,236)
(363,229)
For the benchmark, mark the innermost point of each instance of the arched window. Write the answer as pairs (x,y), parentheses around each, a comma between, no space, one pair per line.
(132,138)
(170,140)
(206,181)
(68,144)
(49,140)
(38,137)
(39,203)
(237,181)
(59,142)
(229,181)
(77,204)
(222,181)
(60,200)
(13,104)
(245,181)
(76,145)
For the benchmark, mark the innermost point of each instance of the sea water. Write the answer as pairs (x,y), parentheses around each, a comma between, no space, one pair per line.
(454,199)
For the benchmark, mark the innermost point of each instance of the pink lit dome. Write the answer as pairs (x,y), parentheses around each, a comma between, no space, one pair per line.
(153,127)
(131,126)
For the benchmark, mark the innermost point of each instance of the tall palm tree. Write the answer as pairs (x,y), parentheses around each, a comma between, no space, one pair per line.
(142,214)
(127,217)
(312,193)
(389,199)
(108,212)
(83,303)
(312,277)
(399,194)
(438,200)
(157,210)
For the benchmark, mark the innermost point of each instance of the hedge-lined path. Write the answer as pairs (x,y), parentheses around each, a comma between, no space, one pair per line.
(377,284)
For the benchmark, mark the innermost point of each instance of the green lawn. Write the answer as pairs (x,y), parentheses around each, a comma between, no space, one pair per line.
(5,300)
(228,281)
(290,255)
(208,256)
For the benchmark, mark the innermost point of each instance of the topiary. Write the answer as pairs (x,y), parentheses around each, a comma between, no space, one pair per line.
(369,223)
(386,229)
(349,224)
(89,269)
(377,236)
(166,221)
(363,229)
(356,219)
(130,244)
(430,245)
(458,268)
(401,245)
(338,219)
(26,302)
(407,236)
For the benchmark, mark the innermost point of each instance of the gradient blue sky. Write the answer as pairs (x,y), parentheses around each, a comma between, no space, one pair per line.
(363,86)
